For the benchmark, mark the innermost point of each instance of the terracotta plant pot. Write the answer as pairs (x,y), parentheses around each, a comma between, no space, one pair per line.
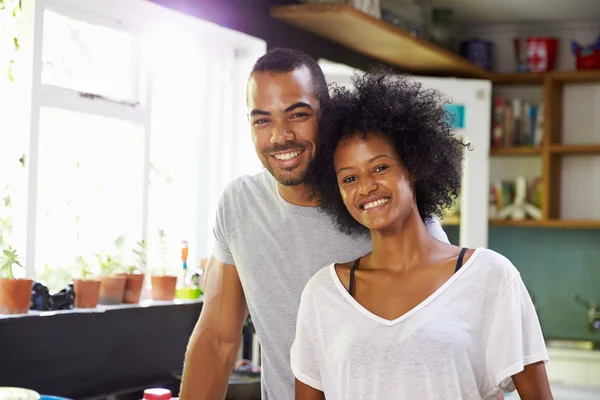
(163,287)
(133,288)
(87,292)
(15,296)
(112,290)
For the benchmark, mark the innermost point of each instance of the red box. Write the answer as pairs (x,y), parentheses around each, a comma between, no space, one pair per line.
(535,54)
(587,57)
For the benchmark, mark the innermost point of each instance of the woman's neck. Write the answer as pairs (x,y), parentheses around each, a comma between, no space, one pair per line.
(408,245)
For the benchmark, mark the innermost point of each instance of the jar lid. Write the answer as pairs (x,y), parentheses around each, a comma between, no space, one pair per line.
(157,394)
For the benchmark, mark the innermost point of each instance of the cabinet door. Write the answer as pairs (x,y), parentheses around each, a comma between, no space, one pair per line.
(567,372)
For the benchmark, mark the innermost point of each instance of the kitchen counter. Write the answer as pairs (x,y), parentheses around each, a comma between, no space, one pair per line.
(87,354)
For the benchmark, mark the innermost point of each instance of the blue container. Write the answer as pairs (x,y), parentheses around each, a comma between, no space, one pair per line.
(478,51)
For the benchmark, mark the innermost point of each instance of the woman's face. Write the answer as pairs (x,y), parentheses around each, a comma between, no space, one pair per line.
(373,182)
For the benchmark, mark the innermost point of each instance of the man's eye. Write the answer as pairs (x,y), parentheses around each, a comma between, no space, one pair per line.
(299,115)
(261,121)
(349,179)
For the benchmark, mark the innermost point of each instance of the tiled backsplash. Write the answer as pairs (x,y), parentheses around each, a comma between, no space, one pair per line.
(555,265)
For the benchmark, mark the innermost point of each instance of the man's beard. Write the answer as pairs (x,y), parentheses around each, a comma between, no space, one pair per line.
(294,176)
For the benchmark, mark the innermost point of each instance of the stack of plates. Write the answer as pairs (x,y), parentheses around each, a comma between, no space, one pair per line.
(13,393)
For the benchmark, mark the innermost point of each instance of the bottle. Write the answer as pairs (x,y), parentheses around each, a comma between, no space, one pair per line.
(184,279)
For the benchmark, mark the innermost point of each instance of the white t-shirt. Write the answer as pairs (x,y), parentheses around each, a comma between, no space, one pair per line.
(465,341)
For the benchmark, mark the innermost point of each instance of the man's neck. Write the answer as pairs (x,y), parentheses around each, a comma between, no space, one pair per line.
(299,195)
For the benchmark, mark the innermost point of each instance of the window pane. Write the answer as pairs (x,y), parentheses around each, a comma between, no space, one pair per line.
(90,188)
(13,140)
(177,116)
(90,58)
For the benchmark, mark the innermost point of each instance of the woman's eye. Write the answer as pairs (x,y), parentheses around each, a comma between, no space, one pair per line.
(381,168)
(299,115)
(349,179)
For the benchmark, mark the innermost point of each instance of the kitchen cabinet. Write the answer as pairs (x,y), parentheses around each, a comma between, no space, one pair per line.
(574,367)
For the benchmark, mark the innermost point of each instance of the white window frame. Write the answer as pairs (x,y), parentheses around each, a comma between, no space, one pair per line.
(119,14)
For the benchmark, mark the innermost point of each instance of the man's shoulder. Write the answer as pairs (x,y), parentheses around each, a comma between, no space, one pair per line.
(248,185)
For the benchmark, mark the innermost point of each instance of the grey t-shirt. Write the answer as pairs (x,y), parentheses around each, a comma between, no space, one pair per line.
(277,247)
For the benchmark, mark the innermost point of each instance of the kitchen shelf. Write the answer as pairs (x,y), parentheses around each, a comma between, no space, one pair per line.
(365,34)
(515,151)
(532,223)
(513,222)
(573,223)
(575,149)
(575,76)
(530,78)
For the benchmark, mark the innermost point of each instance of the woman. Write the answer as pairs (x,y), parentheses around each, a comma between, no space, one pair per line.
(416,318)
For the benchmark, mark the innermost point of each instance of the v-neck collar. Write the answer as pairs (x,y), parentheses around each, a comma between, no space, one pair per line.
(429,299)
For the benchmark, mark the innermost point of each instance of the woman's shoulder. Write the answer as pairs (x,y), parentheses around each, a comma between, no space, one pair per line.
(493,265)
(320,279)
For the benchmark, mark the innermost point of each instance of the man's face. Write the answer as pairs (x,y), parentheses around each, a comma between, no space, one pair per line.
(283,116)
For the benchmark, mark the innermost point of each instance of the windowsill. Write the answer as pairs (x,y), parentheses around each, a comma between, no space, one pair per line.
(102,308)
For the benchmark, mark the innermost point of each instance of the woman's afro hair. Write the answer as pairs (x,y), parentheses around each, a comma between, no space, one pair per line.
(413,119)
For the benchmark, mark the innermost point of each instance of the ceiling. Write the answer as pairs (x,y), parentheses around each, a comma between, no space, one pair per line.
(511,11)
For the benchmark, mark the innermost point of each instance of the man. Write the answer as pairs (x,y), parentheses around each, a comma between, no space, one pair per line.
(270,237)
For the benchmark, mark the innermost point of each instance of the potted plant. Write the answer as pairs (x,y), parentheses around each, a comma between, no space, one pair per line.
(163,285)
(87,289)
(112,287)
(134,274)
(15,294)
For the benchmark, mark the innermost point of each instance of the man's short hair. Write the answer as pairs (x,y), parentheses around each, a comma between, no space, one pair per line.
(286,60)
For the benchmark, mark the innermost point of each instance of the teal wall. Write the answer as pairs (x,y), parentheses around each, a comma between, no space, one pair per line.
(555,264)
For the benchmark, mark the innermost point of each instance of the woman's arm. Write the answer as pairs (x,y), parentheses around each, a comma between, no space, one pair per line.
(305,392)
(532,383)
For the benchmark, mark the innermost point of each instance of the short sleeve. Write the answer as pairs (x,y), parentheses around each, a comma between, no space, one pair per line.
(436,231)
(221,249)
(516,338)
(303,354)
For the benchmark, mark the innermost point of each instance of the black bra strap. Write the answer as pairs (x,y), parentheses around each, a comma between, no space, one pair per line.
(459,262)
(351,285)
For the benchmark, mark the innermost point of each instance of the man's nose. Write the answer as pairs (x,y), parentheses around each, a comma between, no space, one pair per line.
(281,133)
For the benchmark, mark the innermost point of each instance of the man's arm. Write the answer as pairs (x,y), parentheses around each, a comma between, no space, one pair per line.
(216,338)
(532,383)
(305,392)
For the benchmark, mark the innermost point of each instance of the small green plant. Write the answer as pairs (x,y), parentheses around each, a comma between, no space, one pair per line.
(107,264)
(10,258)
(84,267)
(163,249)
(141,258)
(11,10)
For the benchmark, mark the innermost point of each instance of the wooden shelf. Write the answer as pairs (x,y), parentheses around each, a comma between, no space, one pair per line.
(573,223)
(515,151)
(365,34)
(575,76)
(575,149)
(512,222)
(532,223)
(533,78)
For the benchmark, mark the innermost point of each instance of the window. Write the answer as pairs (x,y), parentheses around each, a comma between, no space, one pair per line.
(139,124)
(13,138)
(90,188)
(89,58)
